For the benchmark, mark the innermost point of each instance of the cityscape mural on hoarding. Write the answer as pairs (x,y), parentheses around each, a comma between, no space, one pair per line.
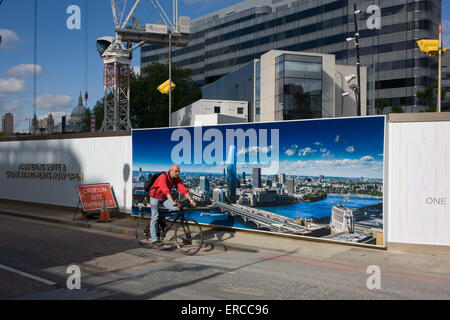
(317,178)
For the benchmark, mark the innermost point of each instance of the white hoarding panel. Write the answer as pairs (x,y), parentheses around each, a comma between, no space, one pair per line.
(419,183)
(48,171)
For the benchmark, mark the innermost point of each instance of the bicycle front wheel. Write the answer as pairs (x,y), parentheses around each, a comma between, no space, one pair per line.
(142,232)
(188,236)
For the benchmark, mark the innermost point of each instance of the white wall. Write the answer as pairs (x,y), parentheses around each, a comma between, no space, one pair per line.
(419,177)
(187,115)
(101,160)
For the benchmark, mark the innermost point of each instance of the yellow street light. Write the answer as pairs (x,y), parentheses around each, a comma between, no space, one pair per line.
(164,88)
(434,48)
(430,47)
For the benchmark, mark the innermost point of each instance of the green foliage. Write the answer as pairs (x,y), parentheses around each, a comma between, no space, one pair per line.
(397,109)
(429,97)
(87,121)
(98,111)
(380,104)
(314,197)
(148,107)
(446,106)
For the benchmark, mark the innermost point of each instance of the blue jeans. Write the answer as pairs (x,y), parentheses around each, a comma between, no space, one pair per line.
(154,205)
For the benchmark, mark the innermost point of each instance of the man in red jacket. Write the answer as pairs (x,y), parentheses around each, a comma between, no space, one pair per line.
(160,193)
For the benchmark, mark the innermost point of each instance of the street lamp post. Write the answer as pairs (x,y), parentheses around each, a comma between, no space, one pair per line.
(170,78)
(357,88)
(358,64)
(439,74)
(432,48)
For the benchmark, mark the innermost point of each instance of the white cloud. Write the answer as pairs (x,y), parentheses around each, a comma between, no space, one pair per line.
(350,149)
(323,150)
(260,150)
(317,143)
(56,102)
(327,154)
(292,150)
(11,85)
(338,168)
(367,158)
(9,39)
(306,152)
(22,70)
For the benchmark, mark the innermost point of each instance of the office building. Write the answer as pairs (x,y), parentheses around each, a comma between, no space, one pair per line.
(256,177)
(211,112)
(231,173)
(226,39)
(287,85)
(282,178)
(204,185)
(218,195)
(8,123)
(290,186)
(445,84)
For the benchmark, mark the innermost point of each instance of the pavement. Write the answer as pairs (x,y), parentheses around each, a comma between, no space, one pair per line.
(321,252)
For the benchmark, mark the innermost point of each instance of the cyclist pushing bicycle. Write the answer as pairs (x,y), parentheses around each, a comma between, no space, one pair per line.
(160,193)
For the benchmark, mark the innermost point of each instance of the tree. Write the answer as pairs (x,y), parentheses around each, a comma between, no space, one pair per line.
(98,111)
(429,97)
(148,107)
(396,109)
(380,104)
(87,121)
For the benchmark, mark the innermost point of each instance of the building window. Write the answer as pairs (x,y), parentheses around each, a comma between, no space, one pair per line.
(299,86)
(240,110)
(216,109)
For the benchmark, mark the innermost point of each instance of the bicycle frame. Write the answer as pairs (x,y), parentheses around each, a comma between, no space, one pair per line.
(179,215)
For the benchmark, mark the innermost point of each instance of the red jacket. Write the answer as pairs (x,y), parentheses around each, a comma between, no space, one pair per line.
(163,184)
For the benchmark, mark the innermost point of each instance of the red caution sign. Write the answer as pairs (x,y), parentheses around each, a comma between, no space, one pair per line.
(92,197)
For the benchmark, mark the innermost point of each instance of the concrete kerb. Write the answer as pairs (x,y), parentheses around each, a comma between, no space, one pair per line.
(219,244)
(83,224)
(110,227)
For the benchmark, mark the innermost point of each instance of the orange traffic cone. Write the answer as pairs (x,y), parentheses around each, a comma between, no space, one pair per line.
(104,215)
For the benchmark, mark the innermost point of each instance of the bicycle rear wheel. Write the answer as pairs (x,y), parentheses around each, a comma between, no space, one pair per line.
(142,232)
(188,236)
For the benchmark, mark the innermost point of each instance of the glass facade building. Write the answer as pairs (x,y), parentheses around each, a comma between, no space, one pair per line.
(227,39)
(288,85)
(231,174)
(298,86)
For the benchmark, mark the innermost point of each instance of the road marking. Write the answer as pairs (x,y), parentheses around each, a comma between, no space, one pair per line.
(28,275)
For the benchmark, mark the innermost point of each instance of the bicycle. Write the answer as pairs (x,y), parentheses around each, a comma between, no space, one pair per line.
(188,235)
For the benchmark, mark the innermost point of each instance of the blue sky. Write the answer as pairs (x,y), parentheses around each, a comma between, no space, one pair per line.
(67,61)
(333,147)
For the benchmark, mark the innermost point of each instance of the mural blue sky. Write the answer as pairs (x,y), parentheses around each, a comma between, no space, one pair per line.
(67,61)
(333,147)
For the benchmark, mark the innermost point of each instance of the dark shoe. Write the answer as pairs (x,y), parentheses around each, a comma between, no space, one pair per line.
(157,244)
